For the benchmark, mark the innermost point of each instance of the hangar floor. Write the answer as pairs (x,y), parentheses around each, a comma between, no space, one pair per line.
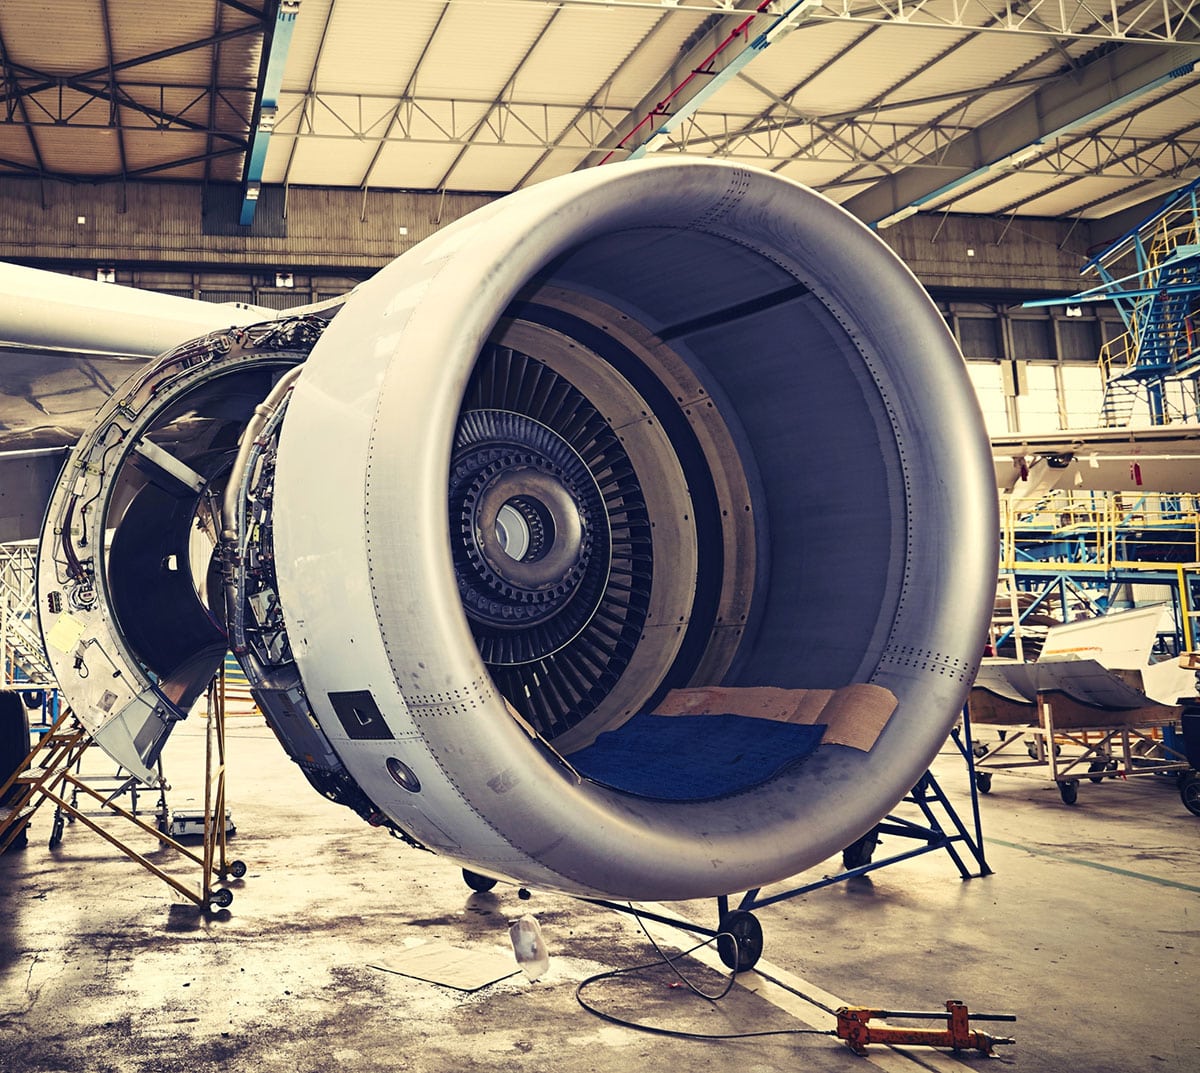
(1089,931)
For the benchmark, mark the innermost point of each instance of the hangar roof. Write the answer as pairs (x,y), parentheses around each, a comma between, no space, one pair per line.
(889,106)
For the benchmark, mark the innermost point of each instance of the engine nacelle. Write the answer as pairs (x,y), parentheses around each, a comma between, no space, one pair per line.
(677,438)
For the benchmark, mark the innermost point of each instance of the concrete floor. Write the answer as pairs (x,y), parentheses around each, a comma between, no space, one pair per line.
(1089,931)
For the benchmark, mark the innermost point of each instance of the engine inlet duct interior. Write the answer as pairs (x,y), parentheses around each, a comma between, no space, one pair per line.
(632,536)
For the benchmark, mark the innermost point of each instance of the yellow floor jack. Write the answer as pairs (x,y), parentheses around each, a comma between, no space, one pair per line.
(853,1026)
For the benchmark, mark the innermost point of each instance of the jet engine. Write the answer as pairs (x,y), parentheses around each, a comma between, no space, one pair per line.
(633,536)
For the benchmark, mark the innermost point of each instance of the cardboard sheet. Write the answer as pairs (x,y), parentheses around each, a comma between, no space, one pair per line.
(758,702)
(451,966)
(854,715)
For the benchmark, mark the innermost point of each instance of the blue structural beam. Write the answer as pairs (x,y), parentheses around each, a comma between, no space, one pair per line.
(1030,149)
(1108,82)
(689,102)
(278,42)
(710,63)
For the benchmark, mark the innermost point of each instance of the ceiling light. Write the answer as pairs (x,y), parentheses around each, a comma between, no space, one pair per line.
(655,142)
(897,216)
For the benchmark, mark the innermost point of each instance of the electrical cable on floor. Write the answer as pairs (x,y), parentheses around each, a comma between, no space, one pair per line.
(666,959)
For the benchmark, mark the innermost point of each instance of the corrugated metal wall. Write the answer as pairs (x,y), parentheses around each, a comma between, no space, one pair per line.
(1030,256)
(162,223)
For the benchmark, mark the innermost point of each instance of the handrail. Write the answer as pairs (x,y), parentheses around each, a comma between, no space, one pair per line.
(1093,532)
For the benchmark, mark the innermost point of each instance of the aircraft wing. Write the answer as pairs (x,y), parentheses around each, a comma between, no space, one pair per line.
(1158,459)
(66,344)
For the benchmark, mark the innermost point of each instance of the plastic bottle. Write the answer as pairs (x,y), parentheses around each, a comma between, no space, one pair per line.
(529,946)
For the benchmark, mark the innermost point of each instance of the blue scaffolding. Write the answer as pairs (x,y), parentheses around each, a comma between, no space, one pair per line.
(1152,275)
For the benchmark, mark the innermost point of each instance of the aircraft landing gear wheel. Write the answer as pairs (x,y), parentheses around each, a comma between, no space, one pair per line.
(740,943)
(222,898)
(56,831)
(479,884)
(1069,790)
(237,869)
(983,781)
(1189,792)
(860,852)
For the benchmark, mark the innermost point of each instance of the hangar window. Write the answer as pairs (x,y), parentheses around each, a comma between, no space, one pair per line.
(1038,404)
(1078,340)
(1031,339)
(979,337)
(985,375)
(1083,395)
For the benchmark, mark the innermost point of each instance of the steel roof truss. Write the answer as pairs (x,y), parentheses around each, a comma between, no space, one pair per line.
(1141,22)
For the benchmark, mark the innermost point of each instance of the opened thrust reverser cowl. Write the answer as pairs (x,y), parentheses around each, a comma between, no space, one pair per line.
(632,536)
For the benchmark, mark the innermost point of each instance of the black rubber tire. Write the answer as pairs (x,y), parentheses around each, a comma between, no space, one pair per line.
(1069,790)
(478,883)
(237,869)
(861,851)
(14,748)
(740,942)
(1189,792)
(56,830)
(983,782)
(222,898)
(1100,766)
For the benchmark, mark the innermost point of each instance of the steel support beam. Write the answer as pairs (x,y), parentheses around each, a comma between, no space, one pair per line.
(275,49)
(1150,22)
(732,55)
(717,40)
(1107,83)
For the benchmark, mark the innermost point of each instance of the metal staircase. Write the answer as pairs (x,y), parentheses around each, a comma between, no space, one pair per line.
(1119,403)
(1157,361)
(23,657)
(1152,275)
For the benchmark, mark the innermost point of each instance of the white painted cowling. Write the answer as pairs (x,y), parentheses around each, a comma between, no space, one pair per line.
(786,483)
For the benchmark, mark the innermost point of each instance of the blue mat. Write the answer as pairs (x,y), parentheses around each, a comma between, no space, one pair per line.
(694,757)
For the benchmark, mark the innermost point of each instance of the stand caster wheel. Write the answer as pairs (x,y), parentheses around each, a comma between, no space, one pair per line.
(860,852)
(983,781)
(479,884)
(1189,792)
(1069,790)
(56,830)
(237,869)
(222,898)
(740,941)
(1096,770)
